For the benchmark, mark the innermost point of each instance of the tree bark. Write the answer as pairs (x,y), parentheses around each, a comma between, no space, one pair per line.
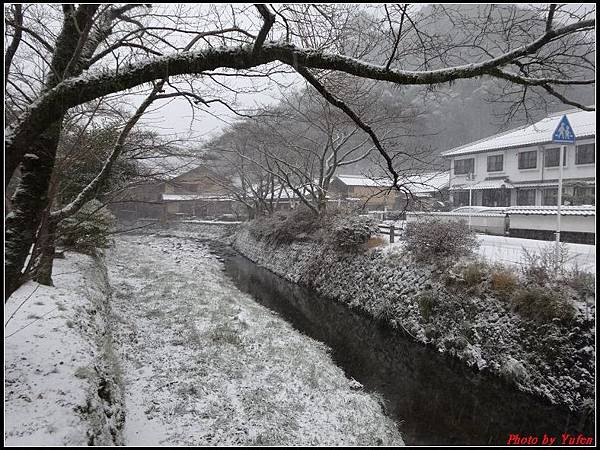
(46,240)
(31,196)
(30,200)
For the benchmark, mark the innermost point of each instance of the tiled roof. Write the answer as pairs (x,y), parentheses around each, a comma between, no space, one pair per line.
(581,210)
(582,122)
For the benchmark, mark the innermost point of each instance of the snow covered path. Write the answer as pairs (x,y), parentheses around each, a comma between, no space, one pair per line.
(203,364)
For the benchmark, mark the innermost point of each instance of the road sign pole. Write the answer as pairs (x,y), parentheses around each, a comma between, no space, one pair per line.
(559,200)
(563,134)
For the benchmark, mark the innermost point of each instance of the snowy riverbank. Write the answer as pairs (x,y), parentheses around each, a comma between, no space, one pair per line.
(204,364)
(198,361)
(61,384)
(552,360)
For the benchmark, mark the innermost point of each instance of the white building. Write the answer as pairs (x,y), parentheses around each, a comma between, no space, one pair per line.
(521,167)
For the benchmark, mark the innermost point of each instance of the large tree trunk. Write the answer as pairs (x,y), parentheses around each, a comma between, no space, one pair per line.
(29,202)
(46,240)
(31,197)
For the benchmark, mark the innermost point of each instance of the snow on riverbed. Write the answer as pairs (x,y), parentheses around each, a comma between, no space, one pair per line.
(203,363)
(49,357)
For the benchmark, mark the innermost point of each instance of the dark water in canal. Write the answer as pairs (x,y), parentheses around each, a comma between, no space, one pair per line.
(435,400)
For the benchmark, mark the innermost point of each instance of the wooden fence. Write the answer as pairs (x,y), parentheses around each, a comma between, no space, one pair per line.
(390,230)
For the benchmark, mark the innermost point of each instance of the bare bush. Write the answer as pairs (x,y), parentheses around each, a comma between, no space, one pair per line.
(285,227)
(351,232)
(542,304)
(475,273)
(545,266)
(434,241)
(504,281)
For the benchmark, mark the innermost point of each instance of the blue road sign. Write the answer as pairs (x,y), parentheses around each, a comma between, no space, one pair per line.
(564,134)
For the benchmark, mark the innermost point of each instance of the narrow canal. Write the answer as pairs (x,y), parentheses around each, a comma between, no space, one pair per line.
(435,400)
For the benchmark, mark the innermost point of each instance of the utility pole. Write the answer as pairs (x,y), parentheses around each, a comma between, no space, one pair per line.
(470,177)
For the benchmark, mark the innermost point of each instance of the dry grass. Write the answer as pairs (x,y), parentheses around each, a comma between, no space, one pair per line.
(504,281)
(375,242)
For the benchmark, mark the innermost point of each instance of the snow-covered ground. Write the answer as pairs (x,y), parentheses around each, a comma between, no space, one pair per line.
(509,250)
(204,364)
(50,351)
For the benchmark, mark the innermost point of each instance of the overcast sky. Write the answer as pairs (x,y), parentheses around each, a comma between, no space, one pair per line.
(176,116)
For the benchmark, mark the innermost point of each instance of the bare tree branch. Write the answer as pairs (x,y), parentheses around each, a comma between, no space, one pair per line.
(14,43)
(269,20)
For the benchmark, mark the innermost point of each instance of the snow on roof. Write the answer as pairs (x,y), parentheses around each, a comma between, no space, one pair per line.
(581,210)
(187,197)
(485,184)
(582,122)
(419,183)
(168,167)
(361,180)
(428,182)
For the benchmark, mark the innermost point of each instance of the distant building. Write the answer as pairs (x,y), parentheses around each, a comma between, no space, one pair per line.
(521,167)
(374,193)
(194,192)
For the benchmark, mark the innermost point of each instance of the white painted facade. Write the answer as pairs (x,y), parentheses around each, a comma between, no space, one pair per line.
(578,177)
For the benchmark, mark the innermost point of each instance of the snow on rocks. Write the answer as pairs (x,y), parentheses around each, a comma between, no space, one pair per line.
(60,384)
(483,331)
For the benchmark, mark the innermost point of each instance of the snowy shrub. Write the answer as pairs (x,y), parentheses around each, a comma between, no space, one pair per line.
(338,228)
(543,266)
(434,241)
(88,229)
(351,232)
(426,301)
(543,304)
(504,282)
(581,282)
(285,227)
(474,273)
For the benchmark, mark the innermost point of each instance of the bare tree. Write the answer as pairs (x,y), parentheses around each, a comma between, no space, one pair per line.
(100,38)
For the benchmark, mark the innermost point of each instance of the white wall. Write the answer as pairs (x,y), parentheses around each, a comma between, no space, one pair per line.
(514,174)
(582,224)
(485,223)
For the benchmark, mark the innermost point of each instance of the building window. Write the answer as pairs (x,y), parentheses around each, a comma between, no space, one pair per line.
(464,166)
(584,196)
(495,163)
(461,198)
(550,197)
(551,156)
(495,197)
(526,197)
(585,154)
(528,160)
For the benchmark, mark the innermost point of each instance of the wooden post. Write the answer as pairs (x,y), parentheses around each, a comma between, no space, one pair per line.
(391,234)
